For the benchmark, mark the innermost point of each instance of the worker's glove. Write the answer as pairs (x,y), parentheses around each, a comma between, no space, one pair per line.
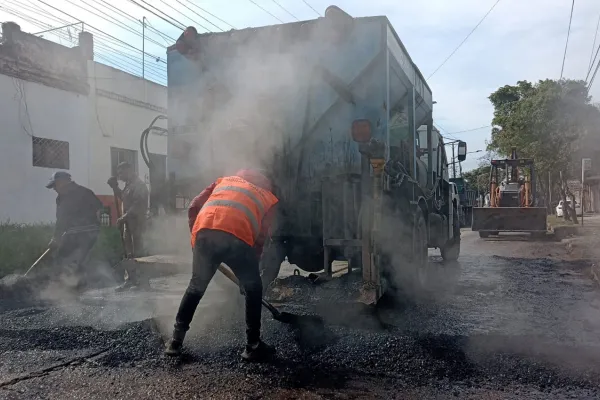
(121,221)
(113,182)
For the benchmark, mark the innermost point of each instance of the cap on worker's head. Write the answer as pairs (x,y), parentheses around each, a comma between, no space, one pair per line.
(256,176)
(124,166)
(58,175)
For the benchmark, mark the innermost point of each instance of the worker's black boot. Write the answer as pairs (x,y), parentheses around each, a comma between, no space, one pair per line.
(175,344)
(257,352)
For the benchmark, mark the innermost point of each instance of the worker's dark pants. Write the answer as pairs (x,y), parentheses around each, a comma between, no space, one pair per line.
(73,252)
(213,247)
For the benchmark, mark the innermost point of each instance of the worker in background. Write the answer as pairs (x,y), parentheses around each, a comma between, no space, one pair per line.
(132,223)
(77,224)
(229,223)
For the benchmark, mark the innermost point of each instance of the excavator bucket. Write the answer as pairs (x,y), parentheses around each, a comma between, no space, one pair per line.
(509,219)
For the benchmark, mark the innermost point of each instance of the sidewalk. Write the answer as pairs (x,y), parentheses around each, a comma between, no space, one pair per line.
(586,246)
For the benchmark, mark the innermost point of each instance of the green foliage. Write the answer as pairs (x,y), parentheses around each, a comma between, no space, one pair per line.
(479,178)
(22,244)
(545,121)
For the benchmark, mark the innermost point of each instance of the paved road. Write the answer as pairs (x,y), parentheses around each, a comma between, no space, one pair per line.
(510,320)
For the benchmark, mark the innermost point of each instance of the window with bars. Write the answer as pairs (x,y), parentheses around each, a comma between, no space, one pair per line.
(118,156)
(50,153)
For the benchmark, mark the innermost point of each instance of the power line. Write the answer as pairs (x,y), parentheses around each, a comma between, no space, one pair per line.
(593,76)
(465,39)
(101,31)
(567,42)
(209,13)
(285,9)
(594,45)
(267,11)
(470,130)
(177,11)
(113,21)
(180,26)
(133,19)
(207,20)
(158,75)
(311,7)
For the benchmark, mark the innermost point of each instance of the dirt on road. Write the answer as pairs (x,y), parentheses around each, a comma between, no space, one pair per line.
(513,319)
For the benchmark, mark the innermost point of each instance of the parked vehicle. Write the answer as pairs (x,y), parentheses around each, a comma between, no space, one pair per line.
(560,212)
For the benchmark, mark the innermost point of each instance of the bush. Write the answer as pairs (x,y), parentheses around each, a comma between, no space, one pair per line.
(22,244)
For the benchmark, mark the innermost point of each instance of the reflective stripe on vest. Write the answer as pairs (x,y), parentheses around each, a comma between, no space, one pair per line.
(235,206)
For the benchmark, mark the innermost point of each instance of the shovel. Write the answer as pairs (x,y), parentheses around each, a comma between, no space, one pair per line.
(37,261)
(314,322)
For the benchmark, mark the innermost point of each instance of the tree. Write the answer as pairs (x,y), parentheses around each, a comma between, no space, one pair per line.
(545,121)
(479,178)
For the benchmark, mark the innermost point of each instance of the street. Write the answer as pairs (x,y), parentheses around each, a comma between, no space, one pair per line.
(514,319)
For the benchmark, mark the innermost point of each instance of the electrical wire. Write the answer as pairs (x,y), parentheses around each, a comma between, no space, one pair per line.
(267,11)
(594,46)
(285,9)
(470,130)
(209,13)
(180,26)
(155,72)
(177,11)
(465,39)
(312,8)
(104,33)
(207,20)
(133,19)
(114,21)
(562,69)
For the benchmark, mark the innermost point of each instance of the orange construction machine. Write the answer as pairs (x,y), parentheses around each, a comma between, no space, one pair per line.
(512,206)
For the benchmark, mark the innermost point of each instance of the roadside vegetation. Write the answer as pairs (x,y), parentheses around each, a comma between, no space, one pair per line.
(22,244)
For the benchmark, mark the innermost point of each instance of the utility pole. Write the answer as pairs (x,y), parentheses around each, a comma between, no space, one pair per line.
(143,48)
(550,191)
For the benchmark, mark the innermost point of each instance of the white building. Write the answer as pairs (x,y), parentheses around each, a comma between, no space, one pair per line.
(60,110)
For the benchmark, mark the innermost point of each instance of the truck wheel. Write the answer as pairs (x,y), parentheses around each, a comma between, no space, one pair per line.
(484,235)
(451,250)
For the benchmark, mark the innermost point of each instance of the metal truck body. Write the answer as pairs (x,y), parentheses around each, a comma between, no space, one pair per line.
(341,118)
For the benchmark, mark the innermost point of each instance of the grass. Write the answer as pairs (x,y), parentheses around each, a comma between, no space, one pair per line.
(22,244)
(554,221)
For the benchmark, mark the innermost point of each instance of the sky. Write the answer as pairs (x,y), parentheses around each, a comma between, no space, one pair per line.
(519,40)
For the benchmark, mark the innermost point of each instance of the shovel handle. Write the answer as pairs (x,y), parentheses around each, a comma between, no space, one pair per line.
(37,261)
(231,276)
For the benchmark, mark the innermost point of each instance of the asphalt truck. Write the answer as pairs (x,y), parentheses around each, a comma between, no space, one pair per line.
(513,200)
(341,118)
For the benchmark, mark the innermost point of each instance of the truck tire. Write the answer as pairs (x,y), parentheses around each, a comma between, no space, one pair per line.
(484,235)
(451,250)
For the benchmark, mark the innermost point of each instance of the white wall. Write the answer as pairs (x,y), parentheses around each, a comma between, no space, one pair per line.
(115,121)
(115,117)
(44,112)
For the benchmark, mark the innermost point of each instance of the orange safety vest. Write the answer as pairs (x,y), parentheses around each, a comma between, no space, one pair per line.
(235,206)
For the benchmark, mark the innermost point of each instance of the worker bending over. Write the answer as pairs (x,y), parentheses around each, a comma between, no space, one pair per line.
(132,223)
(77,223)
(229,223)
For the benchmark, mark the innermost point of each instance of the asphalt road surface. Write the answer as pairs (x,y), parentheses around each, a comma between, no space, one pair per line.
(510,320)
